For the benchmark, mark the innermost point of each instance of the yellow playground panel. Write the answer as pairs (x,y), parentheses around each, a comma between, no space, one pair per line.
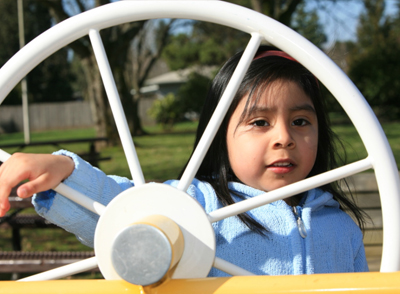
(185,236)
(385,283)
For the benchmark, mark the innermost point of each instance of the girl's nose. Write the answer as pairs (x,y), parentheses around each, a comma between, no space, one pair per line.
(283,137)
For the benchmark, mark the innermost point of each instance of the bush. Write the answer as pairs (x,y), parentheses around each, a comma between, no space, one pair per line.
(376,75)
(189,100)
(166,111)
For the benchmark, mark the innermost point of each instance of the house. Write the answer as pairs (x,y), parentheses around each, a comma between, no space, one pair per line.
(159,86)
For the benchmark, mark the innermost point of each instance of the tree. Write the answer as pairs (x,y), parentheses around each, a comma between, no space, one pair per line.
(146,51)
(117,41)
(306,23)
(374,63)
(281,10)
(203,45)
(50,80)
(9,37)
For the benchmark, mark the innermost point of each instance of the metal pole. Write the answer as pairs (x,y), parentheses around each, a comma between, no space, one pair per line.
(24,86)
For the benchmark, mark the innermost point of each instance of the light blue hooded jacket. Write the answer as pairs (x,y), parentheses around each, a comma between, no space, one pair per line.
(333,243)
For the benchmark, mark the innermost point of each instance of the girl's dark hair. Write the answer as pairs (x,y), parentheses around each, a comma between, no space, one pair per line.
(215,168)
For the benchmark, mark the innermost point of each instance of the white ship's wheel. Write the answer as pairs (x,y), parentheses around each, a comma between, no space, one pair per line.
(167,216)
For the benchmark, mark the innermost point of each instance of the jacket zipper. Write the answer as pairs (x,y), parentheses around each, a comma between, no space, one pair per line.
(300,224)
(297,211)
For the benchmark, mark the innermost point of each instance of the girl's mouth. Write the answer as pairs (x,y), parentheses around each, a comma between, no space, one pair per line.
(281,167)
(282,164)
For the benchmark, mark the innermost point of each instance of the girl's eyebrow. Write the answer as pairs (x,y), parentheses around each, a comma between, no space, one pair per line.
(305,106)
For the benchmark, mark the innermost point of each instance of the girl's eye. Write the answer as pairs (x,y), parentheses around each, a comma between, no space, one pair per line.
(300,122)
(260,123)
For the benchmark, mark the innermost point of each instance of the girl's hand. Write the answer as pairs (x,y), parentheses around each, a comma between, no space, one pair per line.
(44,172)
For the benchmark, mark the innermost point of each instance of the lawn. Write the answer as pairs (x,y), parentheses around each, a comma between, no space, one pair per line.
(163,154)
(355,149)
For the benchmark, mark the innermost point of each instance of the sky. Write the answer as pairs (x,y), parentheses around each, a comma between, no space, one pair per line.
(340,19)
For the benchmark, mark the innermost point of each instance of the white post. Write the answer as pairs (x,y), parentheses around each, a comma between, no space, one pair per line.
(24,86)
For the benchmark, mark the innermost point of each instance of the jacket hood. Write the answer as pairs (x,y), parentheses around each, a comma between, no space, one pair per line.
(315,198)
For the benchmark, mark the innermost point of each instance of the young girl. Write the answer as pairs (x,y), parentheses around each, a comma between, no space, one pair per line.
(275,133)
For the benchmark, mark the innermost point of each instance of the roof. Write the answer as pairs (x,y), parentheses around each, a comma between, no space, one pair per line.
(180,76)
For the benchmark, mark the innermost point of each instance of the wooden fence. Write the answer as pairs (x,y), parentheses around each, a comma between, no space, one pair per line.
(365,192)
(60,115)
(46,116)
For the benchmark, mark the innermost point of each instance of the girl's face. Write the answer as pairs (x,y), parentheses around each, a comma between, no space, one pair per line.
(276,144)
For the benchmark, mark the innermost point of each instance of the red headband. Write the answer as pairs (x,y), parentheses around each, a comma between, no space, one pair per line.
(279,54)
(274,53)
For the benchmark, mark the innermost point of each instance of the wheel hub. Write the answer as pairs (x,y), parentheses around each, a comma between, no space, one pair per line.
(117,239)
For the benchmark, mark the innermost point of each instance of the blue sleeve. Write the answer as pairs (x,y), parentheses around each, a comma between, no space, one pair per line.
(72,217)
(93,183)
(360,262)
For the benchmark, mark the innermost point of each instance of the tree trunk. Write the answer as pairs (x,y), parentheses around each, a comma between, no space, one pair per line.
(280,10)
(137,122)
(101,113)
(124,78)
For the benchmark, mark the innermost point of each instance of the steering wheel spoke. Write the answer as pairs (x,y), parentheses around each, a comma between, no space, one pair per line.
(116,107)
(64,271)
(230,268)
(290,190)
(80,199)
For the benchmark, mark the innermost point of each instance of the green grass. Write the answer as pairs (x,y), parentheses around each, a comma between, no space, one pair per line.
(163,154)
(42,240)
(48,135)
(354,147)
(17,138)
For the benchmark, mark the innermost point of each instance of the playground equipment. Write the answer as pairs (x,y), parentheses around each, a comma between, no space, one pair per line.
(186,242)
